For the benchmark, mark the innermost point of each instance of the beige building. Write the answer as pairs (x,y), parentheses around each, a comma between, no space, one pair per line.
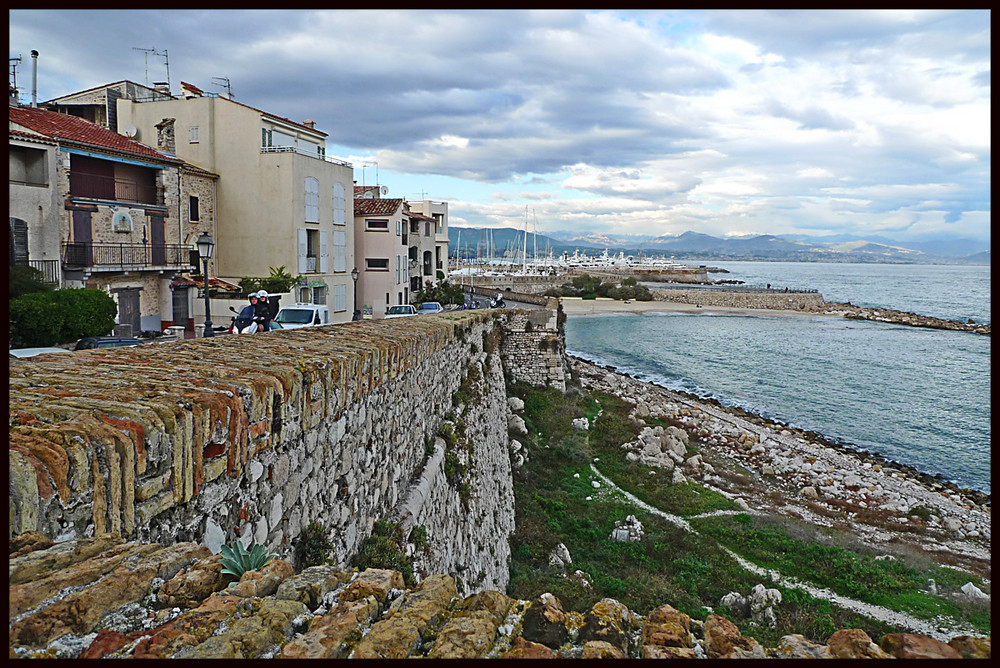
(434,240)
(380,234)
(92,208)
(280,201)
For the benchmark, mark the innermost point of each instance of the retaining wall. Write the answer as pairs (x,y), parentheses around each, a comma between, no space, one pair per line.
(797,301)
(254,436)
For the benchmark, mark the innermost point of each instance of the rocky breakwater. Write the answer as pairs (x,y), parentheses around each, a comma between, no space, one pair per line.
(742,298)
(175,602)
(849,310)
(798,473)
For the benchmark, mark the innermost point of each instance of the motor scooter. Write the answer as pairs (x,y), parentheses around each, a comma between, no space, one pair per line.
(243,322)
(497,302)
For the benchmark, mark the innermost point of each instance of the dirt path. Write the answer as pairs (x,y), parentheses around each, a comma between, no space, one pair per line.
(876,612)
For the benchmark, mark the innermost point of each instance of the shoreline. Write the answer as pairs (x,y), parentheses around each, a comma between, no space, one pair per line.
(864,456)
(604,306)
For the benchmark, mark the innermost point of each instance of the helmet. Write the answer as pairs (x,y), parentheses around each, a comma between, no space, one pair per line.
(253,295)
(262,294)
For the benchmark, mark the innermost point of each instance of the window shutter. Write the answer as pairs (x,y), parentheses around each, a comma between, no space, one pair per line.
(339,206)
(324,263)
(312,200)
(339,251)
(303,250)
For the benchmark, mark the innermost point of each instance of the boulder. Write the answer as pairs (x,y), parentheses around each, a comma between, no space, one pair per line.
(854,644)
(736,602)
(608,621)
(397,636)
(667,627)
(724,641)
(516,404)
(525,649)
(974,593)
(581,424)
(328,634)
(545,622)
(28,542)
(190,587)
(797,646)
(516,424)
(971,647)
(599,649)
(263,582)
(914,646)
(311,585)
(377,582)
(560,557)
(809,492)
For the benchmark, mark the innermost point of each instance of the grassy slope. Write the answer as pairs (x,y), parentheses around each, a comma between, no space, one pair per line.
(670,565)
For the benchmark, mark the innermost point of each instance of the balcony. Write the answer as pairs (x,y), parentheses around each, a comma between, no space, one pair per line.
(300,151)
(49,269)
(110,257)
(93,186)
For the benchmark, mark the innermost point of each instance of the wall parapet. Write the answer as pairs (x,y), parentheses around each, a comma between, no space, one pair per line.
(251,437)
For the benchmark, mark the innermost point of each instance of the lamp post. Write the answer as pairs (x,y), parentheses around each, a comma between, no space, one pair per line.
(354,276)
(205,248)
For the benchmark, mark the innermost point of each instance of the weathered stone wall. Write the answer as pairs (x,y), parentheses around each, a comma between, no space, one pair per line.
(252,437)
(797,301)
(534,345)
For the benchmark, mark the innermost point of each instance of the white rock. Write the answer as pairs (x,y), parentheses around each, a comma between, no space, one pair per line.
(515,404)
(974,592)
(809,492)
(581,424)
(595,484)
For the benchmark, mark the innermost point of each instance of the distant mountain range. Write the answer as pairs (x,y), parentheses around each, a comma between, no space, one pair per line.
(698,246)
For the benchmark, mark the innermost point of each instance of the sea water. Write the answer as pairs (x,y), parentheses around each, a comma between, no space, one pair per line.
(917,396)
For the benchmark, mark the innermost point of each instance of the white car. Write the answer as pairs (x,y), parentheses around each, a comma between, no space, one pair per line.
(31,352)
(294,316)
(400,311)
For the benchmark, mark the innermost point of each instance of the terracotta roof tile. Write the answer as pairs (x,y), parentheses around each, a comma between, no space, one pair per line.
(377,207)
(79,130)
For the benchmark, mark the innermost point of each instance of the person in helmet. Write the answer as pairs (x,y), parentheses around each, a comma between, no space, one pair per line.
(262,311)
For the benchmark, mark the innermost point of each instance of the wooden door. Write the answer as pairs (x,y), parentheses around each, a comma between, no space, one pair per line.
(157,239)
(180,301)
(79,251)
(128,309)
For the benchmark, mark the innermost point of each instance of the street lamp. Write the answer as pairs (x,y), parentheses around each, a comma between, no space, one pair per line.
(354,275)
(205,248)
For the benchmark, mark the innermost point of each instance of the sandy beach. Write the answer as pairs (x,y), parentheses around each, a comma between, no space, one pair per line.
(583,307)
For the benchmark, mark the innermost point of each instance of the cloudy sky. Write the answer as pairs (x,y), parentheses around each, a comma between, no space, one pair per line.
(643,123)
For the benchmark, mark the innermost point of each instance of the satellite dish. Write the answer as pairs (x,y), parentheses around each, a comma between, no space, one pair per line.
(130,131)
(384,190)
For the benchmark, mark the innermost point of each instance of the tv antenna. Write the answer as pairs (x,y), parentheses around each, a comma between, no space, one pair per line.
(14,62)
(223,82)
(366,164)
(163,54)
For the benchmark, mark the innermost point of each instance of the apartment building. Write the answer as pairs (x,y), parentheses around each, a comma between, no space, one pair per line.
(280,201)
(92,208)
(434,240)
(381,228)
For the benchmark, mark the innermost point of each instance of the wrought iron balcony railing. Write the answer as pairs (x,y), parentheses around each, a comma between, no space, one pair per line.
(107,256)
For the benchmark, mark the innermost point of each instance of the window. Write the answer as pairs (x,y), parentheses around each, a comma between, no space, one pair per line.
(28,166)
(377,225)
(193,213)
(339,298)
(339,250)
(376,264)
(309,250)
(312,199)
(266,138)
(319,294)
(193,134)
(339,205)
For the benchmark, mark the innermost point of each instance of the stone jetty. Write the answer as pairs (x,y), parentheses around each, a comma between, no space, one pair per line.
(104,598)
(848,310)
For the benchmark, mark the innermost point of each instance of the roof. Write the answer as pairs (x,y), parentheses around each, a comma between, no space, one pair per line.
(56,100)
(377,207)
(361,190)
(64,127)
(31,136)
(195,169)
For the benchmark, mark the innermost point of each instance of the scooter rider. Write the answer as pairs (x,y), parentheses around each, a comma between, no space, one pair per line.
(262,312)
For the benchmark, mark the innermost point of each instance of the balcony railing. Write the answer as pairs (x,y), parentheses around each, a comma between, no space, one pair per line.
(110,188)
(77,254)
(49,269)
(302,151)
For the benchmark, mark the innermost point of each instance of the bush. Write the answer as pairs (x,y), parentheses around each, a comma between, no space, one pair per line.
(312,547)
(60,316)
(25,280)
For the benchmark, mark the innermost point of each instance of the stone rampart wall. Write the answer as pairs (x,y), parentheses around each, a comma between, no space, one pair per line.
(254,436)
(797,301)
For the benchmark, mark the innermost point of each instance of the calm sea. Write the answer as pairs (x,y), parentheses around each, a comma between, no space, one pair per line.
(917,396)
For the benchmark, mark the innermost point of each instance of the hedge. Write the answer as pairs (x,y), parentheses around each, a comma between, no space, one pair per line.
(60,316)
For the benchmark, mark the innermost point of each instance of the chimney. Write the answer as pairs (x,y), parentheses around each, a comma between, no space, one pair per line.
(309,123)
(161,87)
(165,136)
(34,78)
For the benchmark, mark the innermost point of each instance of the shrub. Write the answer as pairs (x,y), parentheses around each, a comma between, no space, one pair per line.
(50,318)
(384,549)
(312,547)
(25,280)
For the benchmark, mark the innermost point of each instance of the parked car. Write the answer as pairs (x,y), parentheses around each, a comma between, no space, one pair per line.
(401,311)
(91,342)
(31,352)
(294,316)
(430,307)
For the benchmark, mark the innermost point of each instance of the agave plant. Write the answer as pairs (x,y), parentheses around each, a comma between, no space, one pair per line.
(236,560)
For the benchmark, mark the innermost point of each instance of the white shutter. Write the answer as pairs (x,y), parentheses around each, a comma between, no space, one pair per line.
(339,298)
(303,249)
(312,200)
(339,206)
(324,264)
(339,251)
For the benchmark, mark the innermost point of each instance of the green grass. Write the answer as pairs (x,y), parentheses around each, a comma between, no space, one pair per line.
(669,565)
